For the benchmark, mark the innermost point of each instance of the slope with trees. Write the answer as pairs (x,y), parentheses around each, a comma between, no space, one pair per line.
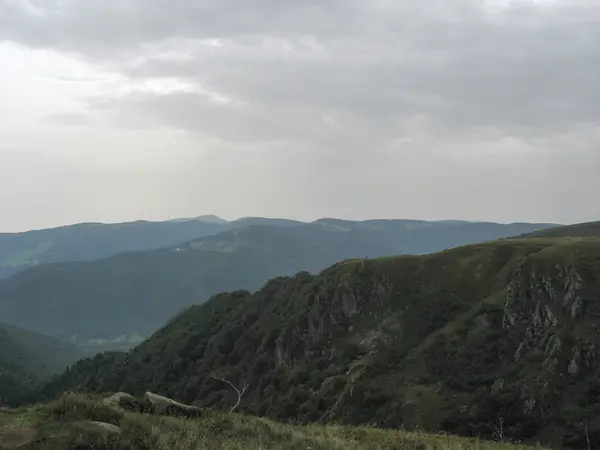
(497,340)
(27,360)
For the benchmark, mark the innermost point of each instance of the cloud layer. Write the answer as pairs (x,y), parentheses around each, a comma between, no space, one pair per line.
(462,109)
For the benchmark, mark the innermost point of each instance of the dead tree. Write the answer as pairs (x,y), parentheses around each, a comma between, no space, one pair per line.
(499,431)
(238,391)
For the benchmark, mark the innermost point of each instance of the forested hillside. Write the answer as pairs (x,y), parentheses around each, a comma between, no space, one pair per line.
(27,360)
(484,339)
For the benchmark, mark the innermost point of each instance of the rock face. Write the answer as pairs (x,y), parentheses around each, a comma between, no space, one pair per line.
(160,405)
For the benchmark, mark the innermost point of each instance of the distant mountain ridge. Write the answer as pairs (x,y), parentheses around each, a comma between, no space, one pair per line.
(114,302)
(208,218)
(89,241)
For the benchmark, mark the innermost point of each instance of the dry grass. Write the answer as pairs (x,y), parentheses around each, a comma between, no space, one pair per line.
(58,426)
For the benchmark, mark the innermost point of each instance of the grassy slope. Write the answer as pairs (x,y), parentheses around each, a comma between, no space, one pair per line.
(453,341)
(589,229)
(27,360)
(134,293)
(59,426)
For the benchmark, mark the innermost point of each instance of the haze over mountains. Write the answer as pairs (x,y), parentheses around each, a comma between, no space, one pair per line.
(89,241)
(116,301)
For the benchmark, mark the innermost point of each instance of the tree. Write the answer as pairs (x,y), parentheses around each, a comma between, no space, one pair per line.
(238,391)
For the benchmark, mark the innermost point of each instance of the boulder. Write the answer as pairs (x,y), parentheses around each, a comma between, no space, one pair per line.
(100,427)
(125,401)
(118,399)
(160,405)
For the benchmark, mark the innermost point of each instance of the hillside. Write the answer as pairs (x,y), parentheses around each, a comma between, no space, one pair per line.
(89,241)
(588,229)
(114,302)
(482,340)
(85,422)
(27,360)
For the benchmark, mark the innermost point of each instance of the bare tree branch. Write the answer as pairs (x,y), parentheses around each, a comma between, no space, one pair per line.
(238,391)
(499,431)
(587,436)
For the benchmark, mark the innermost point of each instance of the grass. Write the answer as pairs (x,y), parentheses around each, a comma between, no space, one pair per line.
(64,425)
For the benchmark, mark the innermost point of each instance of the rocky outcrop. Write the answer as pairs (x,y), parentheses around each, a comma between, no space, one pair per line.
(152,403)
(94,426)
(119,399)
(544,305)
(125,401)
(160,405)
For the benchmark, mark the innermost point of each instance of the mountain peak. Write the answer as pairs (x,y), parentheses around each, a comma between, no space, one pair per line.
(211,218)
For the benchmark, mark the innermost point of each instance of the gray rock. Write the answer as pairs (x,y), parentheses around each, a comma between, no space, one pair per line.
(100,427)
(119,399)
(160,405)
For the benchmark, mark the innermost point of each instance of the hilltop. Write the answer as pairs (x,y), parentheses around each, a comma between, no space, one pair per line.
(588,229)
(479,340)
(77,421)
(27,360)
(113,303)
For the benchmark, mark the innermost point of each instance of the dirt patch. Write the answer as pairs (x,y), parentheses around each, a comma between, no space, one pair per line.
(15,437)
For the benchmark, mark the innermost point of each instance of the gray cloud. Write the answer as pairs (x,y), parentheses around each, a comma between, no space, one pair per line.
(70,119)
(382,90)
(458,64)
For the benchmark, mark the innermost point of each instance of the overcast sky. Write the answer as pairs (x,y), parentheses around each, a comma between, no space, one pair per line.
(153,109)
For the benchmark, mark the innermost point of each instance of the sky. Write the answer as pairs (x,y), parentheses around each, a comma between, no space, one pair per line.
(430,109)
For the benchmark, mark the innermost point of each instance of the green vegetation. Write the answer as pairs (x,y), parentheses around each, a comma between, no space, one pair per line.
(111,303)
(71,423)
(27,360)
(588,229)
(495,340)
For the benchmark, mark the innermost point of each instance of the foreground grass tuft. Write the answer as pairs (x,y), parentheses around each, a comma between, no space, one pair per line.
(71,423)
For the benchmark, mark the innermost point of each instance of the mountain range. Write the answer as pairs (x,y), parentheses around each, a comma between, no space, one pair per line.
(497,340)
(114,302)
(89,241)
